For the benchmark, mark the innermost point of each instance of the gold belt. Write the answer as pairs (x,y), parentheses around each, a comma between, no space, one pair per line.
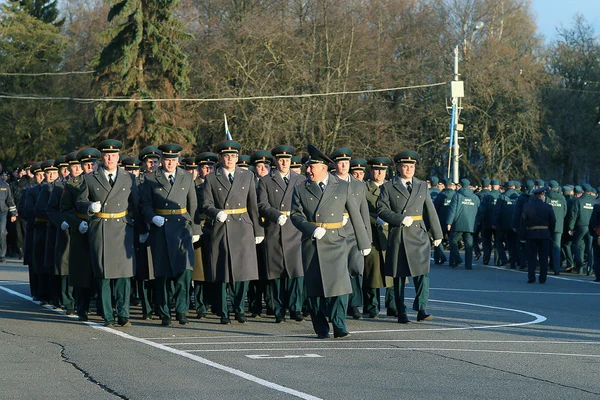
(82,216)
(41,220)
(111,215)
(236,211)
(286,213)
(347,215)
(329,225)
(161,211)
(416,217)
(537,227)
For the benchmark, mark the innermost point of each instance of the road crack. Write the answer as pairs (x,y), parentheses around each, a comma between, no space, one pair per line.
(510,372)
(86,374)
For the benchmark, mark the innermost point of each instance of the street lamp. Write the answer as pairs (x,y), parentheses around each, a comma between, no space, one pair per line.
(457,90)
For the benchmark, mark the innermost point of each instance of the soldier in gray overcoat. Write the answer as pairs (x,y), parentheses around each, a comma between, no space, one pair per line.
(167,202)
(230,199)
(110,198)
(405,204)
(282,240)
(318,207)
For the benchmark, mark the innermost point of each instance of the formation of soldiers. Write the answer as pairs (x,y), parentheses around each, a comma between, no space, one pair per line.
(308,236)
(539,224)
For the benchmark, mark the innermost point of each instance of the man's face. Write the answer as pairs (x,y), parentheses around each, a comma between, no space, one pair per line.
(170,164)
(51,176)
(342,167)
(193,172)
(16,174)
(39,177)
(316,172)
(110,161)
(63,172)
(75,169)
(283,165)
(206,170)
(262,169)
(88,167)
(378,175)
(135,172)
(359,174)
(151,164)
(406,170)
(229,160)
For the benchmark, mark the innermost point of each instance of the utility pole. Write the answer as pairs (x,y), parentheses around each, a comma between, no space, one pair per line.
(457,90)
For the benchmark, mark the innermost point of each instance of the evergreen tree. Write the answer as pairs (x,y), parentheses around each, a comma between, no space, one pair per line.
(143,61)
(45,11)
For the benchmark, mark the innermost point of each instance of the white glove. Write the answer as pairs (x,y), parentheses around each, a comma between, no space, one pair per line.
(407,221)
(195,238)
(319,233)
(83,227)
(64,226)
(380,222)
(365,252)
(259,239)
(222,216)
(95,207)
(281,220)
(437,242)
(344,220)
(158,220)
(143,237)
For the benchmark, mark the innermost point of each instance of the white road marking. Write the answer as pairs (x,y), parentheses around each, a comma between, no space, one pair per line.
(391,341)
(562,278)
(266,356)
(514,292)
(408,349)
(193,357)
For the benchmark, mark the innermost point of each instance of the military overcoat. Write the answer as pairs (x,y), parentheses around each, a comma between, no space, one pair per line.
(61,246)
(374,274)
(170,244)
(283,250)
(232,248)
(325,260)
(111,239)
(202,247)
(409,249)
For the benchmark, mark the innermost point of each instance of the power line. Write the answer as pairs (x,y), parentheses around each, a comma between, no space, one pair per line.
(46,73)
(206,100)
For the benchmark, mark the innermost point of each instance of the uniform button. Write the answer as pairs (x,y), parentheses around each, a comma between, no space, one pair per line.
(318,215)
(332,214)
(166,219)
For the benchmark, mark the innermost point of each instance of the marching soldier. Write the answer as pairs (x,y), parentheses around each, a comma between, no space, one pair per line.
(318,207)
(442,206)
(559,205)
(63,291)
(230,199)
(282,244)
(167,202)
(374,276)
(358,166)
(403,203)
(7,207)
(296,165)
(461,223)
(537,222)
(502,221)
(26,208)
(579,221)
(434,190)
(110,198)
(356,261)
(485,220)
(203,287)
(567,240)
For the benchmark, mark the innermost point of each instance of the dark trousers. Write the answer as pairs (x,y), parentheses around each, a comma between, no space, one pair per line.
(285,293)
(64,293)
(20,226)
(44,287)
(421,283)
(538,249)
(238,294)
(477,242)
(256,291)
(355,299)
(201,290)
(373,300)
(146,295)
(3,232)
(121,290)
(438,254)
(522,254)
(506,241)
(467,238)
(555,251)
(488,237)
(180,284)
(596,250)
(83,296)
(582,246)
(567,249)
(332,308)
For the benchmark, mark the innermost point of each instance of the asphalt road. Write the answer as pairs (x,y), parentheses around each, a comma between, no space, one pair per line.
(493,337)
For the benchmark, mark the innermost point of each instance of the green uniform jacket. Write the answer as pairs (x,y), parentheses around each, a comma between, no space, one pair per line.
(202,247)
(29,227)
(463,211)
(61,248)
(486,210)
(504,210)
(559,205)
(45,234)
(80,261)
(409,251)
(171,244)
(283,250)
(581,211)
(374,275)
(232,249)
(111,239)
(442,203)
(37,238)
(326,260)
(144,270)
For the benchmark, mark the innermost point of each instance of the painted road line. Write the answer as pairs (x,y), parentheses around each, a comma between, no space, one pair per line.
(266,356)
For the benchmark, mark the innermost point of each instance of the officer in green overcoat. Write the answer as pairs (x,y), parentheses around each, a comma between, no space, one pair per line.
(374,276)
(555,198)
(167,204)
(506,236)
(484,220)
(318,207)
(461,221)
(110,198)
(405,204)
(579,221)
